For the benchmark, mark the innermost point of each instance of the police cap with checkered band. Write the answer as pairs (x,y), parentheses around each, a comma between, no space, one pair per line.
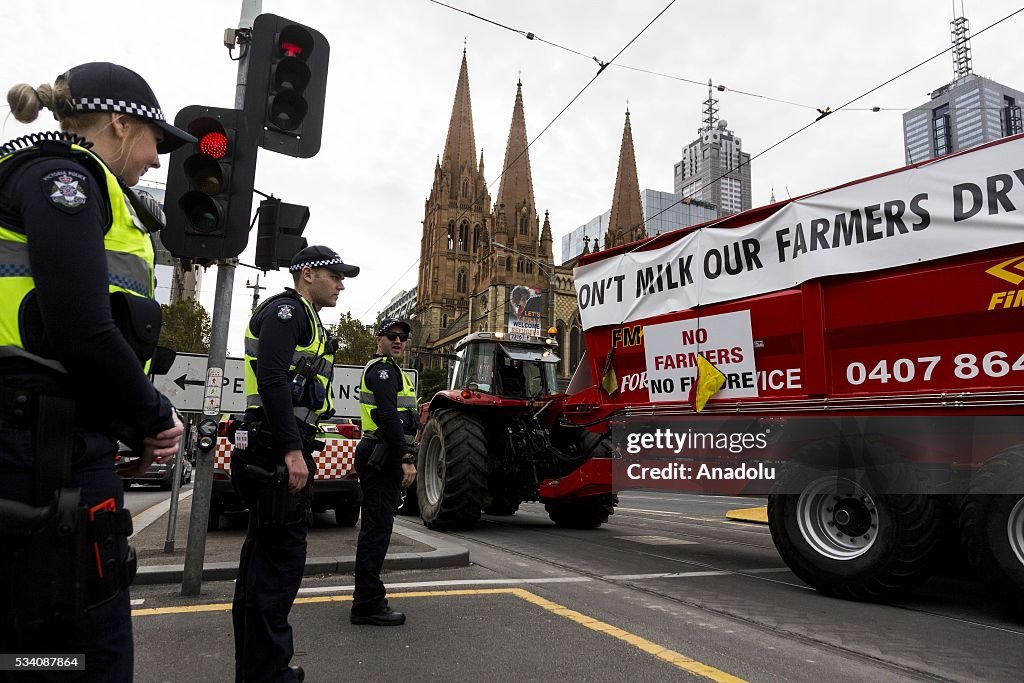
(102,86)
(322,257)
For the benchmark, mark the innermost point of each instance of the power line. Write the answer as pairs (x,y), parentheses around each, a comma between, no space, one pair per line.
(828,111)
(603,65)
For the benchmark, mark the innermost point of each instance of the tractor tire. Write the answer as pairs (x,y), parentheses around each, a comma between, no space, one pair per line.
(589,512)
(410,505)
(451,484)
(346,516)
(844,537)
(992,527)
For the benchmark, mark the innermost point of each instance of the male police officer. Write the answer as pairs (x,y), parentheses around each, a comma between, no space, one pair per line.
(387,406)
(289,362)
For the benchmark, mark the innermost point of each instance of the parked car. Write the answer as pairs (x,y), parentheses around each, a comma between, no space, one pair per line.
(160,473)
(335,486)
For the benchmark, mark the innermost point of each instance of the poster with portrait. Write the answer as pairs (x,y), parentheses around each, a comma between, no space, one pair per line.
(525,311)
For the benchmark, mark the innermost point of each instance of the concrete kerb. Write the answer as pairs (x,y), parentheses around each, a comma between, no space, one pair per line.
(444,554)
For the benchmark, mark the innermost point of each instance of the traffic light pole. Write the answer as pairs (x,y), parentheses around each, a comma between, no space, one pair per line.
(195,551)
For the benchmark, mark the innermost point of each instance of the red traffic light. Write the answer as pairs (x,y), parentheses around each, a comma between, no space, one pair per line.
(214,144)
(290,49)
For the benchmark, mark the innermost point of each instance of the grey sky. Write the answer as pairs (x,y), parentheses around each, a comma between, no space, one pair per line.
(394,67)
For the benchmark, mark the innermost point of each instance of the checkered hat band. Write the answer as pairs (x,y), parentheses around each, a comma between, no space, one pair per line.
(315,264)
(123,106)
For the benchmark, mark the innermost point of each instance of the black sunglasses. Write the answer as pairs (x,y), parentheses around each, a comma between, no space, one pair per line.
(397,335)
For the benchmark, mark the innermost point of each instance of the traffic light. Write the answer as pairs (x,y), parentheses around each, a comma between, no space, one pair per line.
(209,186)
(279,235)
(286,84)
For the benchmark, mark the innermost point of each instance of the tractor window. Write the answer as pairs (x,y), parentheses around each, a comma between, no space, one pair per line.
(476,366)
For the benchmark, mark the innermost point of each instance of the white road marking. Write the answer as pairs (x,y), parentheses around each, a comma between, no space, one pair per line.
(136,603)
(656,540)
(313,590)
(154,512)
(689,575)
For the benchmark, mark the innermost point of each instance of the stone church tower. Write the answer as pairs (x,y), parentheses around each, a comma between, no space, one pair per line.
(455,226)
(626,222)
(465,279)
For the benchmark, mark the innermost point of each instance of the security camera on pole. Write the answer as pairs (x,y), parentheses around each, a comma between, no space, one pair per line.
(279,105)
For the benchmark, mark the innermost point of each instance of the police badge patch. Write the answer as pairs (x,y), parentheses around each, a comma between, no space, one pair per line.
(66,189)
(284,312)
(383,374)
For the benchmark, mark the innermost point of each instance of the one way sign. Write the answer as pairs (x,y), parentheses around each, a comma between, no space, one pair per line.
(185,384)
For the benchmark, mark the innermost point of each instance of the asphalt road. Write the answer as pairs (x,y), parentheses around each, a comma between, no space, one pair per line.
(668,590)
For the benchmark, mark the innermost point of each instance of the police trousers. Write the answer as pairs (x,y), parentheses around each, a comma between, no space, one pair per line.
(270,570)
(104,634)
(381,490)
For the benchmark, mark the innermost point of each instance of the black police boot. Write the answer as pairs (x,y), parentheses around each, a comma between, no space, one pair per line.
(300,673)
(385,617)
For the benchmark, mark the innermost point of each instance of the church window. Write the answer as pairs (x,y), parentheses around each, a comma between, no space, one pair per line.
(444,321)
(508,263)
(524,226)
(476,237)
(519,265)
(460,281)
(451,236)
(575,347)
(464,236)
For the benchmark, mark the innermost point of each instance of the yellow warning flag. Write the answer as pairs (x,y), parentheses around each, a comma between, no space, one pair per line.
(707,383)
(609,380)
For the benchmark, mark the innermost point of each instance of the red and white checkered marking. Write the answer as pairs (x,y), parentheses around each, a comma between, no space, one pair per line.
(335,461)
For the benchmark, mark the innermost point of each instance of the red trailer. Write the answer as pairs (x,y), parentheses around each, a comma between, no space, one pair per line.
(871,338)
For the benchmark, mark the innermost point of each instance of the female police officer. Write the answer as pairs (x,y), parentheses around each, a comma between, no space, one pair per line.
(78,326)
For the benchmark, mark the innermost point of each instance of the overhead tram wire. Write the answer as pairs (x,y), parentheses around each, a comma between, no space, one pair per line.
(600,70)
(824,114)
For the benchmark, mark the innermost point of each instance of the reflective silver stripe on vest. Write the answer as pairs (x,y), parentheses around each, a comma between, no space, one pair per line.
(251,346)
(404,402)
(128,271)
(14,259)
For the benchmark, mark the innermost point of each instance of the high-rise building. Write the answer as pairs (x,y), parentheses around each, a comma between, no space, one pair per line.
(964,113)
(714,168)
(401,305)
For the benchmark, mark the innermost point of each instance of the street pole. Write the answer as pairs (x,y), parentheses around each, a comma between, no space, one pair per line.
(255,293)
(551,294)
(172,514)
(195,550)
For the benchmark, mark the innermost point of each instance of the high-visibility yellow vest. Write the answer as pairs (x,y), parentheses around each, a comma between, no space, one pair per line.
(367,404)
(130,260)
(317,353)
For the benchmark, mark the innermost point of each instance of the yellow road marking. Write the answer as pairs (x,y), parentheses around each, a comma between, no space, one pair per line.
(674,658)
(749,514)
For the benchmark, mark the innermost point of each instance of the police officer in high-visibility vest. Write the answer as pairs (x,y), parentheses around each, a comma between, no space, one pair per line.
(385,464)
(289,363)
(78,329)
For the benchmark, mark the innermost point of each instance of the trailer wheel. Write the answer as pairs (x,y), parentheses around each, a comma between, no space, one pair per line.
(841,535)
(589,512)
(452,482)
(992,526)
(503,505)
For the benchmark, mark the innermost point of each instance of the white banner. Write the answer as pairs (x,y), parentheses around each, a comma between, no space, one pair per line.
(671,351)
(958,205)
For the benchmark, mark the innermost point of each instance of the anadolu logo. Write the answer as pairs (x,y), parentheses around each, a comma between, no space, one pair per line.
(1012,271)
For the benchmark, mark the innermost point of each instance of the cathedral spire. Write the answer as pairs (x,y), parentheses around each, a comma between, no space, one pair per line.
(460,147)
(516,190)
(626,222)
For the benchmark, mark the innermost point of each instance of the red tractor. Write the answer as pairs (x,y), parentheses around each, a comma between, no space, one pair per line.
(495,438)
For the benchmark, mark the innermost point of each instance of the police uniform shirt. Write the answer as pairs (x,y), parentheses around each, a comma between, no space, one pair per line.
(281,325)
(384,379)
(63,207)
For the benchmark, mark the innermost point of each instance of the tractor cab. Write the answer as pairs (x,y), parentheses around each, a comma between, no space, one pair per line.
(508,366)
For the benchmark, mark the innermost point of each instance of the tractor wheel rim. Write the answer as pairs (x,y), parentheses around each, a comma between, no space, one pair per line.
(1015,530)
(837,518)
(433,470)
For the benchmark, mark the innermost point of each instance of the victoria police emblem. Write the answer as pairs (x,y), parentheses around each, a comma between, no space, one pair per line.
(284,312)
(383,375)
(66,189)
